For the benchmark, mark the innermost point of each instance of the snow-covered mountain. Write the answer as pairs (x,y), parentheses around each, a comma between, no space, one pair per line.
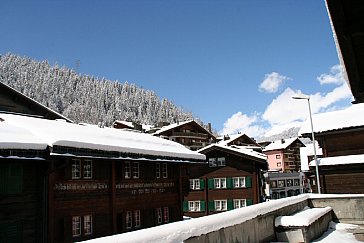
(84,98)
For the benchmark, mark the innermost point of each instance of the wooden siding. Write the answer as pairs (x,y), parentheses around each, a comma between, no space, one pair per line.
(108,196)
(25,209)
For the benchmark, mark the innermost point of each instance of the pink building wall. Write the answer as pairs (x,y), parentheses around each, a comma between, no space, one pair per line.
(275,159)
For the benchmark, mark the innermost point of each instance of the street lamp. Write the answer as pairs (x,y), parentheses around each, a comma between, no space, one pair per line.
(306,97)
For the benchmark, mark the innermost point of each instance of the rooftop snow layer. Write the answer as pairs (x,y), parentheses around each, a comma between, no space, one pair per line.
(62,133)
(339,160)
(244,150)
(280,144)
(350,117)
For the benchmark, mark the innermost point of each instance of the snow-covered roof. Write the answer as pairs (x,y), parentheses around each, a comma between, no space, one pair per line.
(131,125)
(171,126)
(13,137)
(335,120)
(279,144)
(62,133)
(232,138)
(178,124)
(243,150)
(339,160)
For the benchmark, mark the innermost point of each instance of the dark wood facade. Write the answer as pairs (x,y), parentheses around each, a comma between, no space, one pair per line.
(117,198)
(23,202)
(235,180)
(190,133)
(340,178)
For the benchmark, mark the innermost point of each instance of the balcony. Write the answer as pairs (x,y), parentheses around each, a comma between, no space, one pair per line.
(190,135)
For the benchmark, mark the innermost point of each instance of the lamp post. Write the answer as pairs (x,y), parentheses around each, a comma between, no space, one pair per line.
(306,97)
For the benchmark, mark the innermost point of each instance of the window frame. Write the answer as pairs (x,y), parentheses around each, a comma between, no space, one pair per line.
(195,184)
(129,220)
(87,224)
(76,226)
(239,182)
(194,206)
(164,170)
(137,219)
(165,214)
(158,170)
(76,163)
(220,205)
(159,216)
(239,203)
(127,170)
(135,170)
(87,169)
(220,183)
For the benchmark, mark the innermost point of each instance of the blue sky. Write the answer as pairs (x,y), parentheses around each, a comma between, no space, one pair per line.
(232,63)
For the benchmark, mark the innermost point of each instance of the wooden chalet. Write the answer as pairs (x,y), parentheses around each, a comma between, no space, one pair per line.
(238,140)
(65,182)
(189,133)
(232,179)
(340,134)
(284,155)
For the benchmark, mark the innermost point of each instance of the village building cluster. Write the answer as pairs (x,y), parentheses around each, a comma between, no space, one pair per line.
(66,182)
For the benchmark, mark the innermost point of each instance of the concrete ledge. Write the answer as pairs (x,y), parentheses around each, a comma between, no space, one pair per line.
(303,226)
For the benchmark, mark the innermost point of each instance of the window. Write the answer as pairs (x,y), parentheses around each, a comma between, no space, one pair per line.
(127,173)
(159,215)
(239,203)
(296,182)
(212,162)
(281,183)
(194,206)
(273,184)
(136,170)
(221,161)
(137,218)
(220,182)
(157,170)
(81,169)
(87,169)
(289,182)
(279,164)
(220,205)
(87,224)
(278,156)
(166,214)
(129,220)
(164,170)
(195,184)
(76,169)
(238,182)
(76,226)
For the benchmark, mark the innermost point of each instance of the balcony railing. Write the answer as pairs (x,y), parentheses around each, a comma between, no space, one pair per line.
(190,134)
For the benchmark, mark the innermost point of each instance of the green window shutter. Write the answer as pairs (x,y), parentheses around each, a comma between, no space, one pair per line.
(211,205)
(229,182)
(249,202)
(248,181)
(202,184)
(203,206)
(3,178)
(211,184)
(230,205)
(11,232)
(185,206)
(15,182)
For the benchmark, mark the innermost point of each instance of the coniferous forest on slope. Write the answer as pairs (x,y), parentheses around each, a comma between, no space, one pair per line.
(84,98)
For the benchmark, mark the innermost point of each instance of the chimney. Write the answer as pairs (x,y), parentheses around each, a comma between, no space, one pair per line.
(282,140)
(209,126)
